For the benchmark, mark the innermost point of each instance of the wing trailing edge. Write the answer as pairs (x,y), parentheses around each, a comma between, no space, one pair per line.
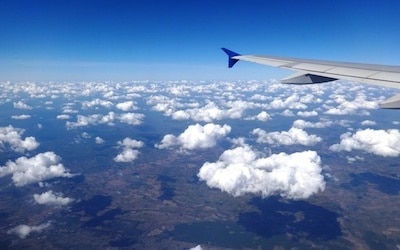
(309,71)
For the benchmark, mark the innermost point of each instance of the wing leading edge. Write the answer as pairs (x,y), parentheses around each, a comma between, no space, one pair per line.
(310,71)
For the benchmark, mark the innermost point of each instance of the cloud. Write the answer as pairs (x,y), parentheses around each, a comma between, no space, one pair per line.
(132,118)
(129,153)
(307,113)
(291,137)
(12,136)
(368,123)
(291,102)
(20,117)
(262,116)
(379,142)
(109,118)
(51,198)
(21,105)
(195,137)
(63,117)
(304,124)
(94,119)
(198,247)
(126,106)
(41,167)
(99,140)
(24,231)
(96,102)
(350,107)
(241,170)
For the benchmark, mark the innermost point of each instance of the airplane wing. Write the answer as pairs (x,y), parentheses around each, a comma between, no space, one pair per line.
(310,71)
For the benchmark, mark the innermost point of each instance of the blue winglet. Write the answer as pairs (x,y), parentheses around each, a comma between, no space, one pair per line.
(231,54)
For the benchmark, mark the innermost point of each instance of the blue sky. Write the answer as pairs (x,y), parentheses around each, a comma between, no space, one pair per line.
(171,40)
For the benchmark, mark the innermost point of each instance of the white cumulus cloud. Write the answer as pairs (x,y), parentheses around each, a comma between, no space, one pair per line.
(129,153)
(195,137)
(242,170)
(379,142)
(126,106)
(20,117)
(38,168)
(51,198)
(99,140)
(291,137)
(132,118)
(21,105)
(12,136)
(24,231)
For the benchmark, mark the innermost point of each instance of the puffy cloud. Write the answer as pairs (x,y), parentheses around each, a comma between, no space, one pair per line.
(38,168)
(368,123)
(379,142)
(307,113)
(129,153)
(304,124)
(132,118)
(21,105)
(63,117)
(242,170)
(92,120)
(20,117)
(51,198)
(126,106)
(293,136)
(262,116)
(96,119)
(292,102)
(350,107)
(96,102)
(99,140)
(24,231)
(12,136)
(198,247)
(196,136)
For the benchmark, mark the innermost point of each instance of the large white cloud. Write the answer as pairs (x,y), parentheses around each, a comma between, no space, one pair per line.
(12,136)
(291,137)
(51,198)
(129,153)
(24,231)
(379,142)
(38,168)
(242,170)
(195,137)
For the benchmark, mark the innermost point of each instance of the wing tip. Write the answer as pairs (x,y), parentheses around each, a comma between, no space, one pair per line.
(231,54)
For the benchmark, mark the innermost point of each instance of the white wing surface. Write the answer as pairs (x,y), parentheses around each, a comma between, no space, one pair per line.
(318,71)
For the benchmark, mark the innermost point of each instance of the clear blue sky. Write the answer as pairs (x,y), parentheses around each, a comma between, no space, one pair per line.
(168,40)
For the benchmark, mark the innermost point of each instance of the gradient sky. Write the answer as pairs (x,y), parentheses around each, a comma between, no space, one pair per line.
(59,40)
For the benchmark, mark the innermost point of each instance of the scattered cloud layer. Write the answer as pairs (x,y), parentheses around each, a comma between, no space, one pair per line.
(242,170)
(195,137)
(379,142)
(38,168)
